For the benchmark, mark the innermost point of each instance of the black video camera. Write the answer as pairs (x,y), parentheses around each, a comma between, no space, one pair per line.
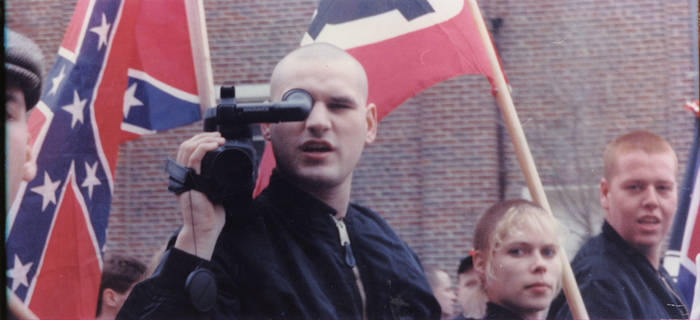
(229,173)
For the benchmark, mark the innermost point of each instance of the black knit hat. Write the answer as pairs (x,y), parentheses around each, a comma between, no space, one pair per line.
(24,65)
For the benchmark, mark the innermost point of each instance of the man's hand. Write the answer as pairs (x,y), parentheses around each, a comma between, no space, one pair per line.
(202,220)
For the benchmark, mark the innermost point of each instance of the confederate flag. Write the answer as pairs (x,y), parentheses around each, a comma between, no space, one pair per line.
(124,69)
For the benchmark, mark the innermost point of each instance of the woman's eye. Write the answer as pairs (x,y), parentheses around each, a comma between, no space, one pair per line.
(516,252)
(549,252)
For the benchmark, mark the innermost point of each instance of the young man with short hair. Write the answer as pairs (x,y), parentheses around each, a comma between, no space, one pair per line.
(119,275)
(619,272)
(300,250)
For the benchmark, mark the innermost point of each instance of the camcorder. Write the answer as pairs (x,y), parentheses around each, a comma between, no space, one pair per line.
(229,173)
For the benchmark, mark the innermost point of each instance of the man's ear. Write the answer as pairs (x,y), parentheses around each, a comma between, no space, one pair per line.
(109,297)
(604,194)
(29,167)
(372,123)
(265,131)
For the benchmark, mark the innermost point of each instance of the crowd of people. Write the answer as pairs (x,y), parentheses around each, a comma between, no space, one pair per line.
(303,250)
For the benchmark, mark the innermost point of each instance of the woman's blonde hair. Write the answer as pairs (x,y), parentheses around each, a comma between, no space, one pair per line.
(507,218)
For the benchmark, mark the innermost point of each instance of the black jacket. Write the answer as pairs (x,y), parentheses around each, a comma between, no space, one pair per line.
(282,258)
(617,282)
(496,312)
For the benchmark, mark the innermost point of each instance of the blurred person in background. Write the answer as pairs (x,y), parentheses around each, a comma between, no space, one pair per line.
(24,66)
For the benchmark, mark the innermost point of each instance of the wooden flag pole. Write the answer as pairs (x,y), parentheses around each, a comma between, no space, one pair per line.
(16,308)
(199,42)
(527,164)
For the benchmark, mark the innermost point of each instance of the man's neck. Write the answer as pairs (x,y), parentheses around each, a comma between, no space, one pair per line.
(104,315)
(337,197)
(653,254)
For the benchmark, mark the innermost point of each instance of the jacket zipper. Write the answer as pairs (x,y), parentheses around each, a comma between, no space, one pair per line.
(350,261)
(680,307)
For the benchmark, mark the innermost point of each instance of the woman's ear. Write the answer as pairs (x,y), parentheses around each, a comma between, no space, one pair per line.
(479,262)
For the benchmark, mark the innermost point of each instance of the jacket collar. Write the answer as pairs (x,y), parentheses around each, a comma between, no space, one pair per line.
(297,205)
(494,311)
(612,236)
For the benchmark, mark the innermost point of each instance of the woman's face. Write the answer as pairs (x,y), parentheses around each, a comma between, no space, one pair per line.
(525,272)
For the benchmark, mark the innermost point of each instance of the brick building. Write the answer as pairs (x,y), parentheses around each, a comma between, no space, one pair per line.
(582,72)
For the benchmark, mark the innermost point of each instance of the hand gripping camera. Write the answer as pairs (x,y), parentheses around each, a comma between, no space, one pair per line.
(229,173)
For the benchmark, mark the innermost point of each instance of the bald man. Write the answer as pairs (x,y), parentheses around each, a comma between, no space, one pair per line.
(441,284)
(300,250)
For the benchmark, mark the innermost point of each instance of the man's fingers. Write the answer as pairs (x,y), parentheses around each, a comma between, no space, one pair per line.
(195,159)
(192,150)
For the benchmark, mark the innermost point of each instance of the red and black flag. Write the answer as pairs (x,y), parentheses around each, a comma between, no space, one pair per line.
(405,47)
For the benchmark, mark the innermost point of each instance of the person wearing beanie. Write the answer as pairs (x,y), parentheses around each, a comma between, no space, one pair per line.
(23,77)
(24,66)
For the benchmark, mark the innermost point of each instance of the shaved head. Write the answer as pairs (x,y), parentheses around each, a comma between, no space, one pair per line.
(322,54)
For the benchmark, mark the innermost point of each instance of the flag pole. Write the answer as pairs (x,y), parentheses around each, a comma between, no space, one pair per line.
(527,164)
(199,41)
(16,308)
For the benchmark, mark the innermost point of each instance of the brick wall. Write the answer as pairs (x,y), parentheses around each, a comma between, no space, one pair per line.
(582,72)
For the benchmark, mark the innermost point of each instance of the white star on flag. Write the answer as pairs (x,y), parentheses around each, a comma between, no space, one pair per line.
(75,109)
(91,178)
(130,99)
(47,191)
(18,273)
(56,81)
(101,31)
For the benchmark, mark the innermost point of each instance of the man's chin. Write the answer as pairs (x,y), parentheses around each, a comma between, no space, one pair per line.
(646,242)
(317,177)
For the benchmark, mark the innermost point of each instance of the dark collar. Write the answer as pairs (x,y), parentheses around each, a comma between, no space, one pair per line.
(494,311)
(633,254)
(297,206)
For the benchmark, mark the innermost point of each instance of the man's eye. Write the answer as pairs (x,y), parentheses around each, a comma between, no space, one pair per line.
(634,187)
(337,106)
(664,188)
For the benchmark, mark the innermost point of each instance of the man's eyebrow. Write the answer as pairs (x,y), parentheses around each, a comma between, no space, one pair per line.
(342,100)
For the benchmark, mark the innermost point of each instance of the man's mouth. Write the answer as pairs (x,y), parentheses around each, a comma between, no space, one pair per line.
(649,220)
(316,146)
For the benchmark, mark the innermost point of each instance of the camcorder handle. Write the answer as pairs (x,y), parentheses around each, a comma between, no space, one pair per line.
(229,173)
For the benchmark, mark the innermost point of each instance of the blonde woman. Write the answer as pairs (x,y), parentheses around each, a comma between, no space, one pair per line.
(516,248)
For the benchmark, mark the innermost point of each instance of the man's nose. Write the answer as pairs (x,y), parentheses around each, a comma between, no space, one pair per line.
(651,197)
(318,120)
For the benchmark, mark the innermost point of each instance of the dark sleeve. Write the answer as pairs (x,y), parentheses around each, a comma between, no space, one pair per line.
(603,298)
(163,295)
